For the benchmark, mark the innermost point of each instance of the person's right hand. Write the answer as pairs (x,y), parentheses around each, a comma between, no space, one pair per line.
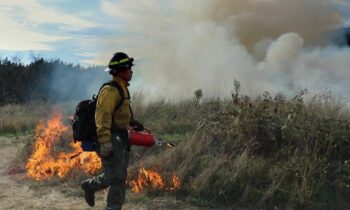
(106,149)
(136,125)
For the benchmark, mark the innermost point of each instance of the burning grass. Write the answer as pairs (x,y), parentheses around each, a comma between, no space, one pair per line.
(55,155)
(266,152)
(20,118)
(17,118)
(47,161)
(151,179)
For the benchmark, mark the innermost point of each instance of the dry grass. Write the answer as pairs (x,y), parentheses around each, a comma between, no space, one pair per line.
(21,193)
(17,118)
(263,152)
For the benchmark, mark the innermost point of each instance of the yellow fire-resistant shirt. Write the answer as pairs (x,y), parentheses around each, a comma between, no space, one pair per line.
(108,99)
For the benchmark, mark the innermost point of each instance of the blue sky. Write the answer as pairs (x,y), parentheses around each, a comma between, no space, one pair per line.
(74,31)
(65,29)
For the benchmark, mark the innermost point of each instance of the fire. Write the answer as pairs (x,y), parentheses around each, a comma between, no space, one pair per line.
(44,163)
(176,183)
(153,178)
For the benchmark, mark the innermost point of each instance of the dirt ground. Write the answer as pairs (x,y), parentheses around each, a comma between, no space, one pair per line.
(18,192)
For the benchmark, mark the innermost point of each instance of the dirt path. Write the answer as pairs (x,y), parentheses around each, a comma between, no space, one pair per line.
(17,193)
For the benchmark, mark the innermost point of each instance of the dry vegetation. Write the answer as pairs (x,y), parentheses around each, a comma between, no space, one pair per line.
(19,119)
(263,152)
(270,151)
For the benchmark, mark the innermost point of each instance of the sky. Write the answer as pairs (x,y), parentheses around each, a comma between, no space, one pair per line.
(68,30)
(180,46)
(74,31)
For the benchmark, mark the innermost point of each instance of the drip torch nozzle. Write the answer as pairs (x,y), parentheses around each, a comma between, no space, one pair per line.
(160,142)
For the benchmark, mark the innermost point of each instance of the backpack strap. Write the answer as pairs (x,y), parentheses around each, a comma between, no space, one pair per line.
(122,97)
(132,115)
(121,92)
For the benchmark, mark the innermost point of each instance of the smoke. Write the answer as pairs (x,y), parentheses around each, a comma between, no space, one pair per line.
(74,83)
(273,45)
(253,20)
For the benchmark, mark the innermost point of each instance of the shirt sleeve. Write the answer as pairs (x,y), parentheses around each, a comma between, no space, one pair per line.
(107,101)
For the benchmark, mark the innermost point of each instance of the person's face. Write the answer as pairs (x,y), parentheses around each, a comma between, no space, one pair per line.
(126,74)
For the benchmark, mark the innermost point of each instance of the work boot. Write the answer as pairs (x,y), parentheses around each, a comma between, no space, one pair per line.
(89,194)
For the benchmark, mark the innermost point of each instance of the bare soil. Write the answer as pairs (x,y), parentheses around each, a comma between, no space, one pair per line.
(19,192)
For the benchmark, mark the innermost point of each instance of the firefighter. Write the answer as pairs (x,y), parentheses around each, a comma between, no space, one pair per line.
(112,134)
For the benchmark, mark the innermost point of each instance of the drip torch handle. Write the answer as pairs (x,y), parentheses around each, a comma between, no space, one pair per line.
(145,130)
(148,130)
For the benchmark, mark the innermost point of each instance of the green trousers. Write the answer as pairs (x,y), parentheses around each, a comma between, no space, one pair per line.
(114,173)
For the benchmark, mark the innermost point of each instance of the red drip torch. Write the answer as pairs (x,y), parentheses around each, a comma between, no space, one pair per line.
(145,138)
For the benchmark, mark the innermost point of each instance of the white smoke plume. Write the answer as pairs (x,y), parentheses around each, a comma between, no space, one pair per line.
(273,45)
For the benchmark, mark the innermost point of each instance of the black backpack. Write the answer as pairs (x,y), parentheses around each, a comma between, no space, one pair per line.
(83,123)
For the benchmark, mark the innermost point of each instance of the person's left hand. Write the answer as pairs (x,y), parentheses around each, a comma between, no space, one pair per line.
(136,125)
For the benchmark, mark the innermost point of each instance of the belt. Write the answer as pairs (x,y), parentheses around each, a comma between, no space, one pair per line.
(118,130)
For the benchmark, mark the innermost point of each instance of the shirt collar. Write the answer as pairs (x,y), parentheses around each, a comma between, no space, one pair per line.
(121,81)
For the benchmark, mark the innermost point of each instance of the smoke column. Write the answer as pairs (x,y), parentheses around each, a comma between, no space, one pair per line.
(273,45)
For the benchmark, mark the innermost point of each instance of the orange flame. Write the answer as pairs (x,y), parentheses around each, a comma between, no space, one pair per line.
(175,182)
(153,178)
(44,163)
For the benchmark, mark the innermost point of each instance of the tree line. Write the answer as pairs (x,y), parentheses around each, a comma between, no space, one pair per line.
(46,80)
